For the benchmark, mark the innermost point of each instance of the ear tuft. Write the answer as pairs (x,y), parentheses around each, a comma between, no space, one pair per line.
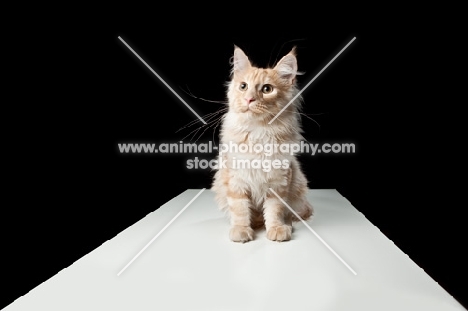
(293,51)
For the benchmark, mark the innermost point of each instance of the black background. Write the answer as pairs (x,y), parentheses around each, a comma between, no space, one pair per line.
(73,190)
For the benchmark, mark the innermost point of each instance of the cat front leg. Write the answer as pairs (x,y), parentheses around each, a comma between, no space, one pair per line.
(278,221)
(239,210)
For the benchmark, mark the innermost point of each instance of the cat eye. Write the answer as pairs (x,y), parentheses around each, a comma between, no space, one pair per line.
(267,89)
(243,86)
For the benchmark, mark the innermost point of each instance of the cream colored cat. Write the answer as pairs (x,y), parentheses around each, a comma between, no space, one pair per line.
(255,96)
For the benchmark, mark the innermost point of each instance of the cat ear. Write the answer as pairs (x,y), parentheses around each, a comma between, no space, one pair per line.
(240,61)
(287,66)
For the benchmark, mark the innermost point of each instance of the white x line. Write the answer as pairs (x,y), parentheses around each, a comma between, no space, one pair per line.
(303,89)
(164,82)
(159,233)
(315,233)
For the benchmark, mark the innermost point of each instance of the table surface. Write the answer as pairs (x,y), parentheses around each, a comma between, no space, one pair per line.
(192,265)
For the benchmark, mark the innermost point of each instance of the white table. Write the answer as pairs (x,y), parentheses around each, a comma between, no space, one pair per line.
(193,265)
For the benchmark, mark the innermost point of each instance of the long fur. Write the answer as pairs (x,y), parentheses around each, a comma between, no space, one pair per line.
(244,192)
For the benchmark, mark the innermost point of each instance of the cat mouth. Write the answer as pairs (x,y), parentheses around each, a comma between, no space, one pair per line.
(250,109)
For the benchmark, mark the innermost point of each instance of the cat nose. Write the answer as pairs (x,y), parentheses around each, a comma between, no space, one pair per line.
(249,100)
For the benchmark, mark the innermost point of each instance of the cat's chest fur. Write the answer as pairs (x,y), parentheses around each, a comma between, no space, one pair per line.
(250,143)
(241,140)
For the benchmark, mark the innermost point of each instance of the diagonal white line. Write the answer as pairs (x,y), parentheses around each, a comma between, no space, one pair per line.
(159,233)
(303,89)
(315,233)
(164,82)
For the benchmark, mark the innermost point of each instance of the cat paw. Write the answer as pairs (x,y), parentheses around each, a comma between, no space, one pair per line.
(279,233)
(241,234)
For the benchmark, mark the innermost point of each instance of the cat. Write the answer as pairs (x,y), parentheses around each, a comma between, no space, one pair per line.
(255,96)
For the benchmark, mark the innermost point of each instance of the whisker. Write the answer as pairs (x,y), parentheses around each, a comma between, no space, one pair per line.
(208,115)
(209,121)
(305,115)
(197,132)
(197,129)
(207,100)
(211,124)
(192,131)
(214,116)
(314,114)
(198,120)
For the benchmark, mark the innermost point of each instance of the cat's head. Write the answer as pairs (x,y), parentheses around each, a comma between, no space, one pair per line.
(261,92)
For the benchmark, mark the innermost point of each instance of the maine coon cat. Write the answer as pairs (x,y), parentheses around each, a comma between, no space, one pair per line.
(255,97)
